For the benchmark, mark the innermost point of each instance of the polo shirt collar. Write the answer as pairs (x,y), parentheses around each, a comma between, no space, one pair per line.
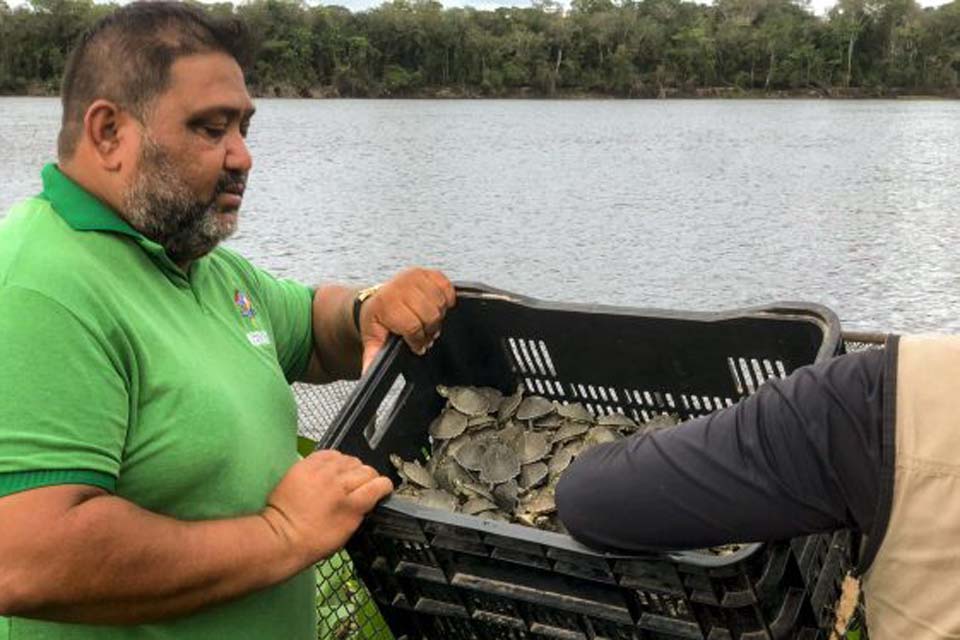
(78,207)
(85,212)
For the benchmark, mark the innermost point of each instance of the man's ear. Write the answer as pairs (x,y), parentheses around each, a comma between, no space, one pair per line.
(106,128)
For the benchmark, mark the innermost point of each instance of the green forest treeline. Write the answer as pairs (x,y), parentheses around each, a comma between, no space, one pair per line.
(647,48)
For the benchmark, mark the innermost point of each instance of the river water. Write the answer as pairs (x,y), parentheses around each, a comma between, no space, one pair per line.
(700,205)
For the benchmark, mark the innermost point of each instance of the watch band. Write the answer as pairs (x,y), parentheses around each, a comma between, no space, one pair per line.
(358,301)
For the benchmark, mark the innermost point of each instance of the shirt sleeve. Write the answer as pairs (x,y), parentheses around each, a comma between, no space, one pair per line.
(290,306)
(800,456)
(64,404)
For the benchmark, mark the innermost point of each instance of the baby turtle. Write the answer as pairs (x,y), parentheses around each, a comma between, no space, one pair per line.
(661,421)
(493,396)
(480,422)
(575,411)
(532,475)
(435,499)
(412,472)
(499,463)
(535,447)
(534,407)
(506,495)
(560,461)
(473,506)
(471,489)
(549,421)
(468,456)
(466,400)
(616,420)
(449,424)
(512,435)
(569,431)
(408,490)
(601,435)
(576,446)
(449,474)
(508,406)
(450,447)
(534,507)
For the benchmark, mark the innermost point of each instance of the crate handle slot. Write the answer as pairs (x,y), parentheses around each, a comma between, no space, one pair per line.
(387,410)
(365,403)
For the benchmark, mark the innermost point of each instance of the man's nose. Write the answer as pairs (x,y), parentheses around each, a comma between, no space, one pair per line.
(238,156)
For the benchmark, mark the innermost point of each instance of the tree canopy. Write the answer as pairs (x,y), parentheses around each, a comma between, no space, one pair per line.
(643,48)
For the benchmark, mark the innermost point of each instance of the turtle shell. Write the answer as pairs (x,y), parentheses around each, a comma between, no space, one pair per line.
(535,447)
(472,489)
(662,421)
(575,411)
(569,431)
(437,499)
(532,474)
(601,435)
(493,396)
(476,423)
(499,463)
(473,506)
(509,404)
(549,421)
(539,502)
(506,495)
(560,461)
(468,456)
(449,475)
(617,420)
(448,424)
(576,446)
(534,407)
(467,400)
(413,473)
(512,435)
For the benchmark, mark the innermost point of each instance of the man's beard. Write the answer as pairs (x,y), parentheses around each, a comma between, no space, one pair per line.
(160,205)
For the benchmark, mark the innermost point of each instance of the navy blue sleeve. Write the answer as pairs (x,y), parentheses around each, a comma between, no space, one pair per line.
(802,455)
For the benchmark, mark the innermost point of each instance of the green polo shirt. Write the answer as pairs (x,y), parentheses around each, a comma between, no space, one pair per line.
(168,389)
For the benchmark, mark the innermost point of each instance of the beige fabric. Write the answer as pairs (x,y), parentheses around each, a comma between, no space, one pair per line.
(913,587)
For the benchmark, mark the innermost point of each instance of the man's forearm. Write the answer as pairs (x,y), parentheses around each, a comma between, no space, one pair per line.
(336,341)
(108,561)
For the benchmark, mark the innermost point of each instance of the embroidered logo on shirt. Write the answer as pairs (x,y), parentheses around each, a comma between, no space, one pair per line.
(259,337)
(246,308)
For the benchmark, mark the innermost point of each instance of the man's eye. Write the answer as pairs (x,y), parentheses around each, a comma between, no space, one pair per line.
(213,132)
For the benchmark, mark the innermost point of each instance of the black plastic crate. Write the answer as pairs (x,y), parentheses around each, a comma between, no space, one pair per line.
(437,574)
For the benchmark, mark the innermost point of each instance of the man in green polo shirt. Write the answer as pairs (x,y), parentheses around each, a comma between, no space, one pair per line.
(149,483)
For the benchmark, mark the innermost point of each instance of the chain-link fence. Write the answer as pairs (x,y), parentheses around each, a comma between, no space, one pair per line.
(345,609)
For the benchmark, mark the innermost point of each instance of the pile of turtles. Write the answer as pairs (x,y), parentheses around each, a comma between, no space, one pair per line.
(500,456)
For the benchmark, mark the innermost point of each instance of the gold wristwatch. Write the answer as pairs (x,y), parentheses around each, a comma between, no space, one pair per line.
(358,301)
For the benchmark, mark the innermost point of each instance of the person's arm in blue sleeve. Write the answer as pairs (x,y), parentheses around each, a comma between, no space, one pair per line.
(802,455)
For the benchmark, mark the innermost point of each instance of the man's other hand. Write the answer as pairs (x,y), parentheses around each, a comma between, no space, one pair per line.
(411,305)
(321,501)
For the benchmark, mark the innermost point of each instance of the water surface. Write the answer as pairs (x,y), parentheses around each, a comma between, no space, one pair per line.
(683,204)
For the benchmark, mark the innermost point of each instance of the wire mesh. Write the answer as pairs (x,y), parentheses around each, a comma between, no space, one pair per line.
(345,608)
(318,405)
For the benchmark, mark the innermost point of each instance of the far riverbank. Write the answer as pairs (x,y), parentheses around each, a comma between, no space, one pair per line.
(531,93)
